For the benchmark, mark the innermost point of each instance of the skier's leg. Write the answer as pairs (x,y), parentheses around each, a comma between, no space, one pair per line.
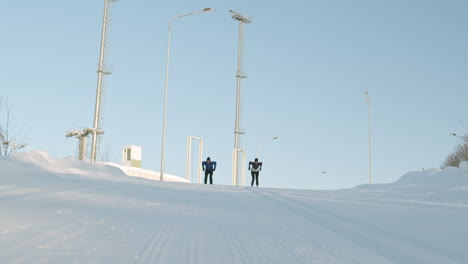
(211,177)
(258,173)
(253,178)
(206,176)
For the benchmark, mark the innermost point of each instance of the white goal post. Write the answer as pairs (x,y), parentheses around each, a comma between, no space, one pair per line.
(189,157)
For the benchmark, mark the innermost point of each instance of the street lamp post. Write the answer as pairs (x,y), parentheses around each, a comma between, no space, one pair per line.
(166,84)
(460,137)
(370,137)
(258,145)
(315,174)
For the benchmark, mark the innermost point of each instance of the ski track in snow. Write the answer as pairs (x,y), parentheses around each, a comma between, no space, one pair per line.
(165,234)
(156,245)
(387,244)
(191,252)
(236,245)
(317,252)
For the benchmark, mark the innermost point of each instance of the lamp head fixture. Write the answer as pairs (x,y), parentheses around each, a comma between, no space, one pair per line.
(240,17)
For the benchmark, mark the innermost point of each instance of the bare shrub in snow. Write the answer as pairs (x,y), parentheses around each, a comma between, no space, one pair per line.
(460,154)
(10,139)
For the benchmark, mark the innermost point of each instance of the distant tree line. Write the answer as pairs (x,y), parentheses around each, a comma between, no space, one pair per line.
(459,154)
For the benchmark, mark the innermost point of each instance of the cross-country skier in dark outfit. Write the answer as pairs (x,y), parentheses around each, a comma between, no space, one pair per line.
(256,168)
(209,166)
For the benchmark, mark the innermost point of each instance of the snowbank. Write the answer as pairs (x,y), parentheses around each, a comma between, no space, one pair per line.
(440,179)
(447,177)
(146,174)
(40,160)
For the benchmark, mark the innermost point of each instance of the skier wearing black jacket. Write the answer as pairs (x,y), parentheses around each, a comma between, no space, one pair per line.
(256,168)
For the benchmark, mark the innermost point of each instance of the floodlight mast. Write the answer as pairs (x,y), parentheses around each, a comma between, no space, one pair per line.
(239,76)
(101,72)
(240,17)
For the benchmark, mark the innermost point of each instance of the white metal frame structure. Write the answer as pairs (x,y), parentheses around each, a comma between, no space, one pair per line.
(235,156)
(189,157)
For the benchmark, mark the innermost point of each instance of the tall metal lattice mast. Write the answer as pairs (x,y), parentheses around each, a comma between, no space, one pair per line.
(239,76)
(104,52)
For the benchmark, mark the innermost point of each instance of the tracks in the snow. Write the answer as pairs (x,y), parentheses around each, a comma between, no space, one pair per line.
(157,244)
(236,245)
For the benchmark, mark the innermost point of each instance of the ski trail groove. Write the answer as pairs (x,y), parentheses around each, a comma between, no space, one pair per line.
(371,238)
(191,254)
(157,243)
(235,244)
(105,240)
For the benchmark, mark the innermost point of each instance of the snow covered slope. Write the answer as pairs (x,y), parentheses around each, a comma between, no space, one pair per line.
(68,211)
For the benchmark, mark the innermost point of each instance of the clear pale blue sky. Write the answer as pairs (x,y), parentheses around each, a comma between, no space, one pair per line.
(308,63)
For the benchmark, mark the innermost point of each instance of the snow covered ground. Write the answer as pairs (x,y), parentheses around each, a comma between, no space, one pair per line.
(68,211)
